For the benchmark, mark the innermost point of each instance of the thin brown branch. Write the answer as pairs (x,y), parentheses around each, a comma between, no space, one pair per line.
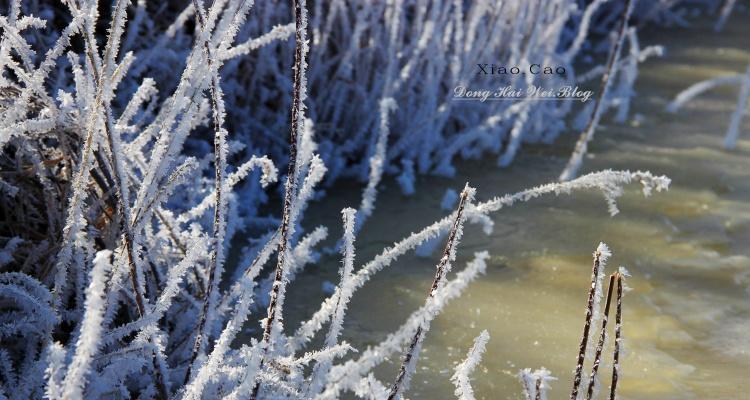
(618,339)
(219,165)
(538,387)
(602,338)
(587,325)
(440,271)
(571,169)
(291,183)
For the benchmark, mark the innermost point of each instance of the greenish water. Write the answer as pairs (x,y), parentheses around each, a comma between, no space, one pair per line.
(686,321)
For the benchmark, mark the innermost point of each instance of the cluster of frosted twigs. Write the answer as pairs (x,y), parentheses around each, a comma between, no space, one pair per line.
(118,219)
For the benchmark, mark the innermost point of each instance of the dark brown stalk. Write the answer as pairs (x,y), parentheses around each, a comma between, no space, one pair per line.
(538,395)
(571,168)
(439,275)
(218,226)
(618,338)
(602,338)
(586,326)
(290,186)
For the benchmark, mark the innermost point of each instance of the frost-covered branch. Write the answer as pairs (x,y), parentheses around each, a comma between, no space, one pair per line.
(409,362)
(574,164)
(117,142)
(88,341)
(460,378)
(622,273)
(593,383)
(299,94)
(601,255)
(535,384)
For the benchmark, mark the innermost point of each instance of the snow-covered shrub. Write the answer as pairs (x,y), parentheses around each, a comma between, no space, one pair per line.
(119,217)
(408,53)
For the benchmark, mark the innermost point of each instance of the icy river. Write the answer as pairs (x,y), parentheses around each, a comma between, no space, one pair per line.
(687,319)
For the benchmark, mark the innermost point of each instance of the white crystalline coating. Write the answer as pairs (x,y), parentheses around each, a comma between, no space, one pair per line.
(411,356)
(55,358)
(126,273)
(279,32)
(541,377)
(6,254)
(347,375)
(602,253)
(145,92)
(346,275)
(613,68)
(377,164)
(320,371)
(461,378)
(625,275)
(270,174)
(91,328)
(609,182)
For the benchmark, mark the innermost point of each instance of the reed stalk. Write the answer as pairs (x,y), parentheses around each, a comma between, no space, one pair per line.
(618,339)
(602,338)
(290,185)
(440,271)
(587,325)
(219,217)
(538,388)
(574,164)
